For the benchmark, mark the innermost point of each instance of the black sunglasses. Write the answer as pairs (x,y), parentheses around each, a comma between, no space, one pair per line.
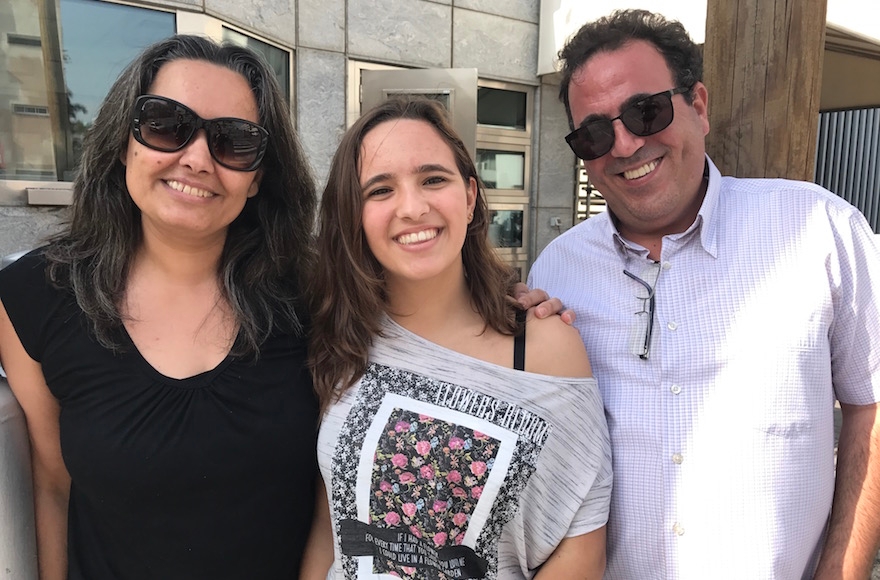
(165,125)
(645,117)
(648,310)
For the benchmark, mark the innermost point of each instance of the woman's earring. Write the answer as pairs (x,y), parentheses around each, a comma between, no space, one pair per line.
(470,217)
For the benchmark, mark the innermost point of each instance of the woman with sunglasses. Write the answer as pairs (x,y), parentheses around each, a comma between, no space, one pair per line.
(156,343)
(455,444)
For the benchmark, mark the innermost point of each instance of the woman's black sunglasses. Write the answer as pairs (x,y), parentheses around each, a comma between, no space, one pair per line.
(165,125)
(645,117)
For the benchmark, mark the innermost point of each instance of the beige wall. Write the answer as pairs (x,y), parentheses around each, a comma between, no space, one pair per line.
(849,81)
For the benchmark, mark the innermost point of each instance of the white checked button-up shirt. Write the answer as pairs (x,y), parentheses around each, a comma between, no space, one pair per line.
(722,439)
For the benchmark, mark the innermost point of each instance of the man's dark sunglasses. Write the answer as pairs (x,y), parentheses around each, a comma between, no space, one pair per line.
(165,125)
(645,117)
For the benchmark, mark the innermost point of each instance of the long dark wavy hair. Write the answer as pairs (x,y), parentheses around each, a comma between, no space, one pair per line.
(683,57)
(268,250)
(348,289)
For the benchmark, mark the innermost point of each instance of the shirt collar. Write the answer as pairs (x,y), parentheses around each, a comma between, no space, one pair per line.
(708,217)
(706,221)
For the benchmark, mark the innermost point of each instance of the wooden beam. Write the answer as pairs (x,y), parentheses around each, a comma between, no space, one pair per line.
(763,68)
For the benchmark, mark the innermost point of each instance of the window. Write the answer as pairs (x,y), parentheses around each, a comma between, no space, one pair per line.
(55,85)
(23,39)
(51,84)
(501,108)
(504,145)
(501,169)
(504,140)
(506,228)
(30,110)
(278,59)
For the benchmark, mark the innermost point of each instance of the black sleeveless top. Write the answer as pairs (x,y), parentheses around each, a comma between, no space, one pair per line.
(206,477)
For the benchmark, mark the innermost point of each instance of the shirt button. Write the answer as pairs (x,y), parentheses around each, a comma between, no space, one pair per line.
(675,389)
(667,265)
(672,326)
(677,458)
(678,529)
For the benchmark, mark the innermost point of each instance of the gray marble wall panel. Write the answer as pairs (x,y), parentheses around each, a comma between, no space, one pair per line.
(500,48)
(24,228)
(377,30)
(527,10)
(554,196)
(322,24)
(273,18)
(18,542)
(320,111)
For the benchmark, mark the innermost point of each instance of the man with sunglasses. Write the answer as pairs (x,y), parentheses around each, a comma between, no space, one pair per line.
(723,318)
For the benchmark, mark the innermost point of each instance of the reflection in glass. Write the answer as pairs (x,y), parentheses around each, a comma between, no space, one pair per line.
(51,84)
(501,169)
(501,108)
(278,60)
(506,228)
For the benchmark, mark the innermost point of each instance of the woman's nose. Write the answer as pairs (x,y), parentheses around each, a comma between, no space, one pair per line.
(412,202)
(197,155)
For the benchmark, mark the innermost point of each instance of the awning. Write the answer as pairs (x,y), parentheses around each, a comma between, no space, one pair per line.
(851,72)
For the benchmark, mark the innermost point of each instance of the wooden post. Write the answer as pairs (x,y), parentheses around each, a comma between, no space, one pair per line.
(763,69)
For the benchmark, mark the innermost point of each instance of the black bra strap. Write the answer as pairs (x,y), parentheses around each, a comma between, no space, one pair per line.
(519,342)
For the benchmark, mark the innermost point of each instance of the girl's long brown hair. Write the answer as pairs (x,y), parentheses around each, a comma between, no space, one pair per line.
(347,289)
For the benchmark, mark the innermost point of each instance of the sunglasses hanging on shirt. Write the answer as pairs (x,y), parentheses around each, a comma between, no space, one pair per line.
(165,125)
(645,117)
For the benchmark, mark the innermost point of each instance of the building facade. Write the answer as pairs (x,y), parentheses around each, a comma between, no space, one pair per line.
(58,58)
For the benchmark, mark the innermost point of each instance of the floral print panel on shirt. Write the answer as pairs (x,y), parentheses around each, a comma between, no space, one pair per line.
(426,474)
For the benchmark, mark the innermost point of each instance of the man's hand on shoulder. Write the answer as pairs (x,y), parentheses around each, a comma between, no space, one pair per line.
(541,301)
